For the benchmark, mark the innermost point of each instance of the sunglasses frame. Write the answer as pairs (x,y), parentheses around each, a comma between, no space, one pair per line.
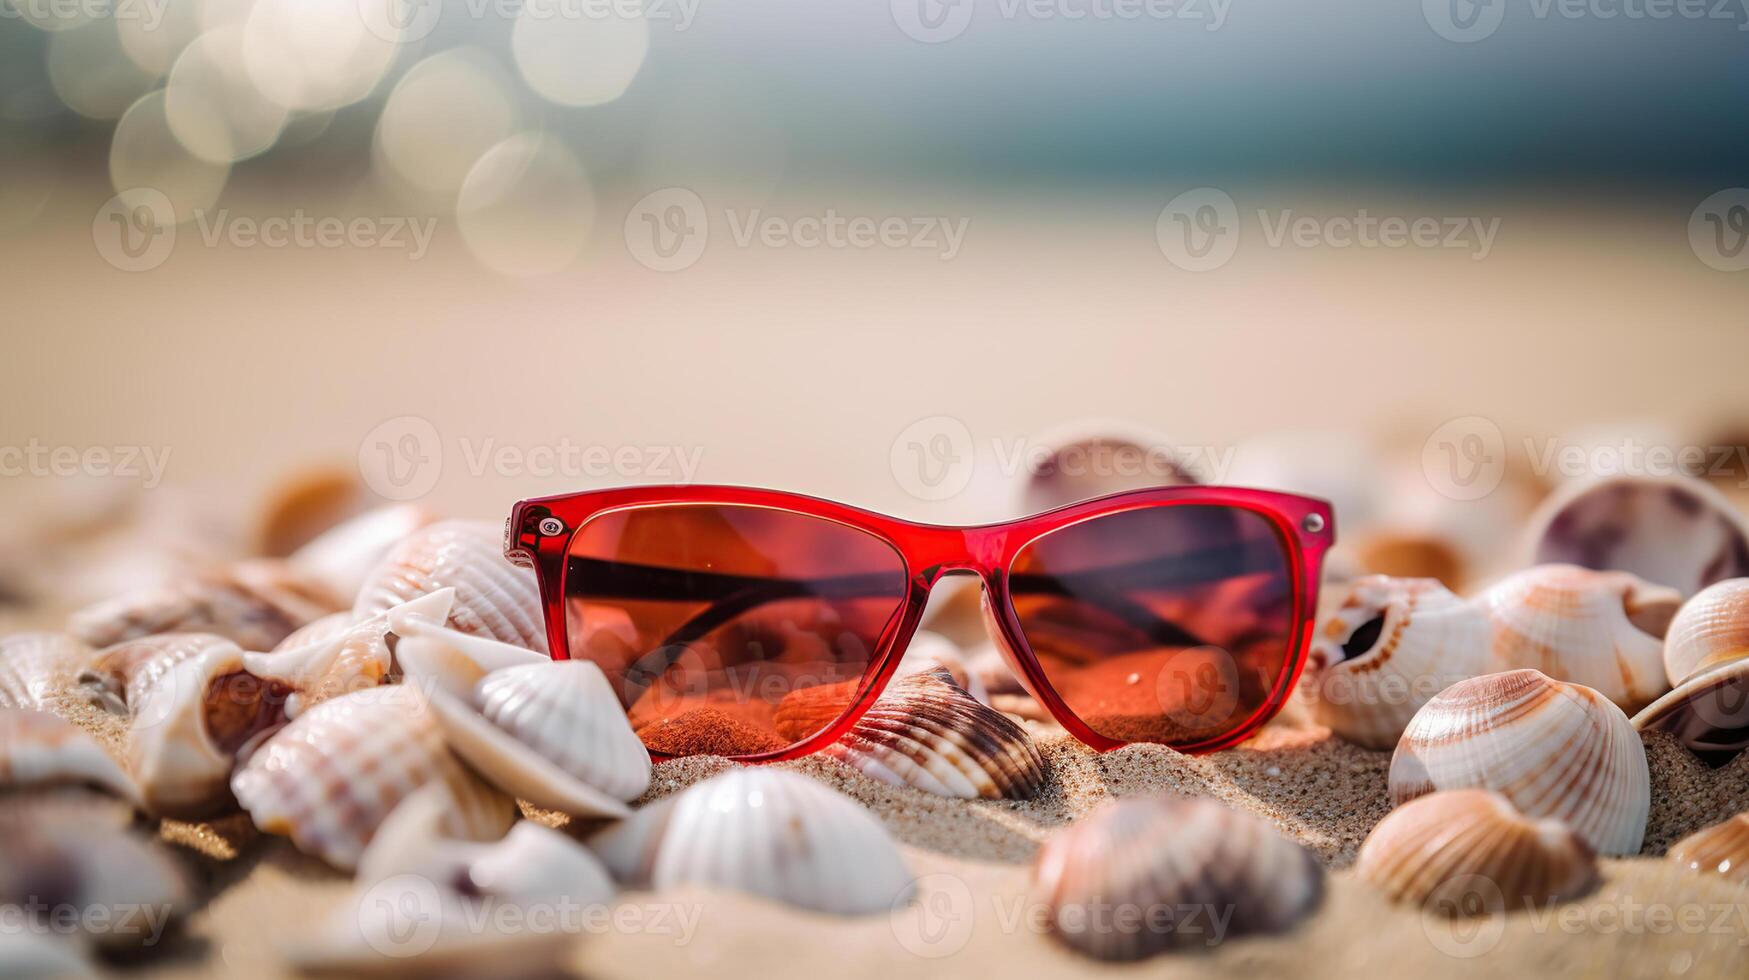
(1304,526)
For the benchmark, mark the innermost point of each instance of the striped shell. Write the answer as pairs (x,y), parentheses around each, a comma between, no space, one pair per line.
(338,662)
(255,603)
(1722,849)
(1706,655)
(118,677)
(763,831)
(330,778)
(1553,749)
(1388,649)
(40,749)
(1676,531)
(494,598)
(1120,884)
(1709,631)
(38,670)
(1604,630)
(927,732)
(1469,851)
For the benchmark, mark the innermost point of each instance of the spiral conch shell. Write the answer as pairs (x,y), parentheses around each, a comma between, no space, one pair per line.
(40,749)
(39,670)
(1706,657)
(255,603)
(1551,748)
(1604,630)
(494,598)
(330,778)
(1139,877)
(1389,648)
(1469,851)
(767,832)
(1676,531)
(1722,849)
(549,732)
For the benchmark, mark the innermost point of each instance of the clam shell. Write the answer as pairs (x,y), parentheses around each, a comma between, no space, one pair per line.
(767,832)
(39,749)
(1709,631)
(1388,649)
(302,505)
(342,557)
(39,670)
(1604,630)
(255,603)
(1675,531)
(1709,713)
(330,778)
(927,732)
(1722,849)
(1469,851)
(1120,884)
(494,598)
(928,651)
(1553,749)
(1092,458)
(354,659)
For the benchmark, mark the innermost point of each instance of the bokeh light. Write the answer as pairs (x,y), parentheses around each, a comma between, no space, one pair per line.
(49,15)
(577,54)
(442,116)
(315,54)
(213,106)
(146,155)
(526,208)
(91,73)
(154,44)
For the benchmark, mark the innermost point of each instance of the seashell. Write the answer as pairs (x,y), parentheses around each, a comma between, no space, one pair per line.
(1115,883)
(117,677)
(1709,631)
(494,598)
(1398,553)
(1388,649)
(1340,467)
(304,504)
(549,732)
(1469,851)
(1604,630)
(1092,458)
(1551,748)
(767,832)
(927,732)
(1675,531)
(329,627)
(39,670)
(928,651)
(255,603)
(338,662)
(330,778)
(109,876)
(342,558)
(39,749)
(1722,849)
(1706,655)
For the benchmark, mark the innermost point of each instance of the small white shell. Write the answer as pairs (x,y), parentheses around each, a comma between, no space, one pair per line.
(494,598)
(1388,649)
(1553,749)
(40,749)
(330,778)
(763,831)
(1676,531)
(354,659)
(1722,849)
(1604,630)
(1469,851)
(1117,882)
(256,603)
(39,670)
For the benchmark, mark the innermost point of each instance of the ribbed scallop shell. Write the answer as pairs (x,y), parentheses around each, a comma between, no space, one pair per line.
(927,732)
(1388,649)
(766,832)
(331,777)
(1142,875)
(1553,749)
(1676,531)
(1604,630)
(40,749)
(567,712)
(928,651)
(38,670)
(255,603)
(1722,849)
(494,598)
(1709,631)
(1469,851)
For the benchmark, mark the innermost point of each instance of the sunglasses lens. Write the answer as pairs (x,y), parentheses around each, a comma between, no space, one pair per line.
(1164,624)
(729,629)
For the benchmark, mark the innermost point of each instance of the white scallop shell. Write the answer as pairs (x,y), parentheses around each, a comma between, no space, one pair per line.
(763,831)
(39,670)
(255,603)
(330,778)
(1553,749)
(1469,851)
(1117,882)
(494,598)
(1676,531)
(1604,630)
(1390,647)
(39,749)
(354,659)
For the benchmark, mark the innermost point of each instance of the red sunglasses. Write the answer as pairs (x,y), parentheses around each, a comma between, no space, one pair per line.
(1179,615)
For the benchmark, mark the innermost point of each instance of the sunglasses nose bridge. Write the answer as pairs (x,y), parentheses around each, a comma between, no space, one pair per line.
(947,550)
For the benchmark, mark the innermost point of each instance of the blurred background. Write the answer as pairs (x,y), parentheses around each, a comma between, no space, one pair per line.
(466,251)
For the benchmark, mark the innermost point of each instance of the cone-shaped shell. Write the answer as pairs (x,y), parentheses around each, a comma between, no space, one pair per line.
(40,749)
(494,598)
(1722,849)
(330,778)
(1604,630)
(1676,531)
(255,603)
(1469,851)
(1117,884)
(1551,748)
(927,732)
(763,831)
(1389,647)
(38,670)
